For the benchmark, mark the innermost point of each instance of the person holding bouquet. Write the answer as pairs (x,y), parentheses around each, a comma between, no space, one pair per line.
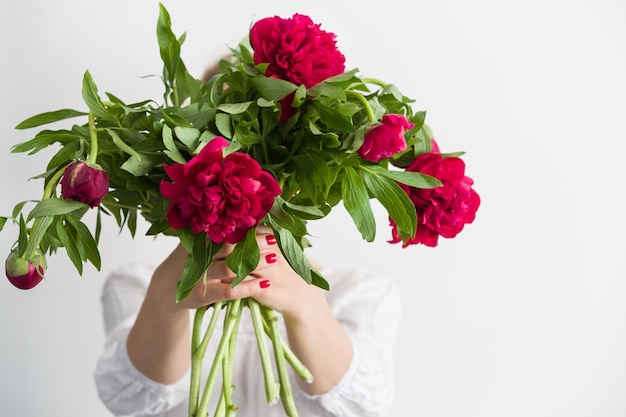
(234,166)
(345,337)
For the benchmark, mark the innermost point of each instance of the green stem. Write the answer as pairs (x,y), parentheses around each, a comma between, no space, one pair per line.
(227,371)
(93,135)
(198,350)
(368,109)
(52,183)
(47,193)
(272,388)
(232,316)
(279,357)
(375,81)
(295,362)
(220,410)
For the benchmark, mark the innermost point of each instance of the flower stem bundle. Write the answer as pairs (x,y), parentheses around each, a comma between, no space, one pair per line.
(265,322)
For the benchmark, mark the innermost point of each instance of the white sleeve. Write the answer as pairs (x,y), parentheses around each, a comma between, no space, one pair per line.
(369,309)
(122,388)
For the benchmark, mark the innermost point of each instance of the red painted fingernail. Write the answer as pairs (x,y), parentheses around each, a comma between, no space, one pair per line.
(271,258)
(271,240)
(265,283)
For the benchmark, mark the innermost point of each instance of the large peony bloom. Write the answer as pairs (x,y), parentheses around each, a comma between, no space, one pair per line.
(296,50)
(441,211)
(385,139)
(222,196)
(85,183)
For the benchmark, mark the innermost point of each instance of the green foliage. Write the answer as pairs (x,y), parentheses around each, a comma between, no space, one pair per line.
(312,155)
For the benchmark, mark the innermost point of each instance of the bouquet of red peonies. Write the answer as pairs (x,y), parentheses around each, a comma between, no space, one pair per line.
(279,135)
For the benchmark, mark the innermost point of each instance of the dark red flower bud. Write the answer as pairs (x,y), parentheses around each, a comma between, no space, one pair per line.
(25,273)
(85,183)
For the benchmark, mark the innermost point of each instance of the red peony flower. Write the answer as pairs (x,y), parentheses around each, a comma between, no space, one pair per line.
(25,273)
(222,196)
(85,183)
(385,139)
(297,50)
(441,211)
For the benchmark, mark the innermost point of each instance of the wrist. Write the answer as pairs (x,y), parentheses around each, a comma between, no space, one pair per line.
(161,294)
(307,308)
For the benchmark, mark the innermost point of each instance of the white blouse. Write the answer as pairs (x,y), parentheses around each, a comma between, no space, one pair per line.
(368,307)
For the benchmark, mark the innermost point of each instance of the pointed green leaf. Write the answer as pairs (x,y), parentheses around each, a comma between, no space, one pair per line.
(54,207)
(198,260)
(294,254)
(334,119)
(86,242)
(44,139)
(188,135)
(245,257)
(222,122)
(395,200)
(171,149)
(313,175)
(140,167)
(273,88)
(234,108)
(40,227)
(414,179)
(90,95)
(357,203)
(69,243)
(49,117)
(329,90)
(124,147)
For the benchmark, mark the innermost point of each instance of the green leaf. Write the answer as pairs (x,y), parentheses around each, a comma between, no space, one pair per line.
(318,280)
(345,76)
(19,206)
(245,257)
(199,258)
(143,166)
(54,207)
(22,238)
(86,242)
(69,243)
(222,122)
(169,47)
(307,212)
(294,254)
(49,117)
(188,135)
(37,233)
(395,200)
(90,95)
(44,139)
(3,220)
(122,145)
(313,175)
(171,149)
(414,179)
(273,88)
(357,202)
(334,119)
(329,90)
(234,108)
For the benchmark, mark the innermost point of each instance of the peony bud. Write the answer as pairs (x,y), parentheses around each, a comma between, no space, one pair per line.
(85,183)
(386,138)
(25,273)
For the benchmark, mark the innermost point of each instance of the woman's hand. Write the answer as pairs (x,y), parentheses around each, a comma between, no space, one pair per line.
(273,283)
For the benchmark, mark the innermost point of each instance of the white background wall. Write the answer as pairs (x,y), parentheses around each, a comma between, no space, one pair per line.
(522,314)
